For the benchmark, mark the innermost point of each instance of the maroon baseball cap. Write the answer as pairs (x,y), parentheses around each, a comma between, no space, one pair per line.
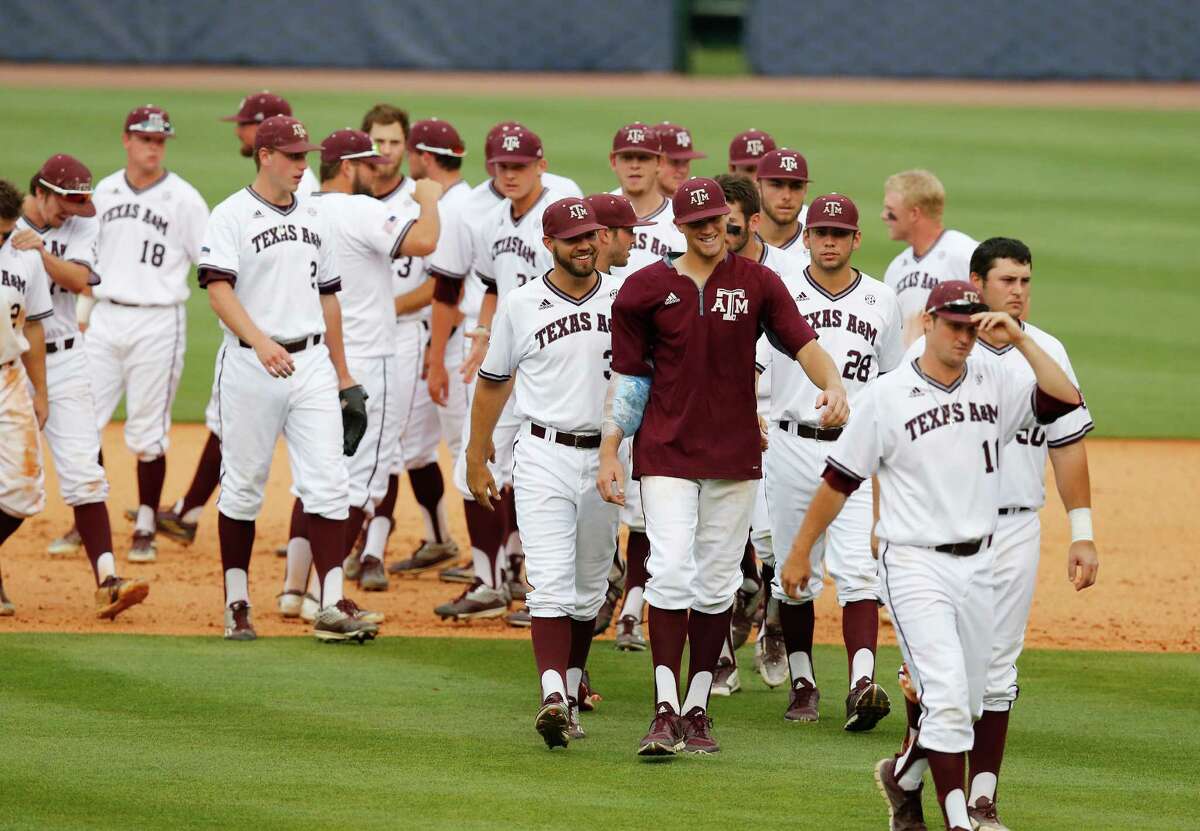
(517,147)
(285,134)
(698,198)
(783,164)
(637,137)
(259,107)
(71,180)
(832,211)
(955,300)
(350,145)
(750,146)
(495,134)
(614,211)
(150,120)
(569,218)
(436,136)
(677,142)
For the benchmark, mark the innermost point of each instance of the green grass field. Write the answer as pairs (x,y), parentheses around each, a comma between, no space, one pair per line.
(1107,200)
(130,732)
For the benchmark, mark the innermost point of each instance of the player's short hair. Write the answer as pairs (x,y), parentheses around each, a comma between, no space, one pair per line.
(10,200)
(919,189)
(741,190)
(446,162)
(328,170)
(383,114)
(999,248)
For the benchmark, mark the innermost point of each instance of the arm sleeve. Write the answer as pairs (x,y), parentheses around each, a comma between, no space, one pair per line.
(447,289)
(329,279)
(891,339)
(219,249)
(859,450)
(37,297)
(632,332)
(784,326)
(195,221)
(762,354)
(1023,404)
(1076,424)
(455,249)
(84,247)
(381,229)
(501,360)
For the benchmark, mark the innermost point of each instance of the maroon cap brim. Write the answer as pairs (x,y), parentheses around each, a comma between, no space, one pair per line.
(578,231)
(687,154)
(77,209)
(297,147)
(235,117)
(513,159)
(957,317)
(846,226)
(751,160)
(707,213)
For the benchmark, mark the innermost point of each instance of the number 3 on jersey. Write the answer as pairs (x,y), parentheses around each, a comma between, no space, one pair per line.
(312,275)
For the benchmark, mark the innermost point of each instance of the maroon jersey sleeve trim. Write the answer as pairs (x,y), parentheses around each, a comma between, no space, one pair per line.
(447,289)
(207,274)
(840,479)
(1048,409)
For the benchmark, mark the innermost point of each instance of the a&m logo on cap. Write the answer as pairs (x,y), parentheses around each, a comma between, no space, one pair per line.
(699,196)
(298,129)
(683,139)
(511,142)
(832,208)
(635,135)
(787,162)
(754,147)
(971,296)
(578,212)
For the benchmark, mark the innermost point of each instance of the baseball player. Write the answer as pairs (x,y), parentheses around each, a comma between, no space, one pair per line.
(636,159)
(252,111)
(151,222)
(269,265)
(368,238)
(747,149)
(913,204)
(551,348)
(1001,271)
(683,333)
(675,167)
(859,321)
(782,187)
(931,431)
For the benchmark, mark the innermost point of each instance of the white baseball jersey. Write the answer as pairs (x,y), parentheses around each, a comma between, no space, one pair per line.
(510,252)
(1023,460)
(367,236)
(653,242)
(279,261)
(795,244)
(936,449)
(861,330)
(74,241)
(24,297)
(559,348)
(781,263)
(408,273)
(462,217)
(308,183)
(912,277)
(149,239)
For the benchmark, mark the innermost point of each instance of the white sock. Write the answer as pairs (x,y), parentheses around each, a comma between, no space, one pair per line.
(331,587)
(574,678)
(911,780)
(862,665)
(145,520)
(697,694)
(299,561)
(377,534)
(193,515)
(552,683)
(956,809)
(483,568)
(634,601)
(666,687)
(800,665)
(236,586)
(314,584)
(441,519)
(727,649)
(106,566)
(983,784)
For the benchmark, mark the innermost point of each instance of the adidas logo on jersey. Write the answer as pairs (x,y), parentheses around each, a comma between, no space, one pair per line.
(258,214)
(545,304)
(801,297)
(671,298)
(917,392)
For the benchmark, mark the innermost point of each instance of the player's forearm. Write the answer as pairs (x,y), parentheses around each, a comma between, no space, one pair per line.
(825,506)
(486,405)
(331,309)
(1071,475)
(1051,378)
(35,358)
(819,367)
(422,237)
(415,300)
(70,276)
(487,310)
(227,307)
(441,321)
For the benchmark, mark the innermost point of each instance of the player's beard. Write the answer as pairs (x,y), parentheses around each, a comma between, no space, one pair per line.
(776,218)
(573,268)
(360,187)
(247,151)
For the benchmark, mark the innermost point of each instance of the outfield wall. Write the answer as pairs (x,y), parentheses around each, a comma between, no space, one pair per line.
(531,35)
(1130,40)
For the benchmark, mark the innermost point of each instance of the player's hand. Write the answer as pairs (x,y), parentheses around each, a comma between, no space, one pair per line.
(41,407)
(610,480)
(1082,564)
(874,544)
(836,405)
(480,481)
(479,343)
(762,433)
(27,240)
(796,571)
(438,381)
(999,326)
(427,191)
(275,359)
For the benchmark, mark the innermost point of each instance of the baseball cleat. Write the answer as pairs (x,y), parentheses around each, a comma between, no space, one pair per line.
(747,601)
(372,577)
(115,595)
(697,733)
(143,549)
(7,609)
(983,816)
(588,697)
(370,616)
(725,681)
(479,602)
(310,604)
(665,737)
(429,555)
(290,602)
(803,703)
(351,566)
(66,545)
(131,514)
(574,728)
(866,705)
(773,666)
(629,635)
(904,807)
(458,574)
(520,619)
(518,589)
(173,526)
(612,597)
(553,721)
(237,622)
(341,623)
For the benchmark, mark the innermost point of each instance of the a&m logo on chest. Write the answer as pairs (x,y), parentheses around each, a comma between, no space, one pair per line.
(731,303)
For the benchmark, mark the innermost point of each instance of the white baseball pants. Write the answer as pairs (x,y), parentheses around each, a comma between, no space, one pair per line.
(697,530)
(368,467)
(941,608)
(632,516)
(71,428)
(22,483)
(429,424)
(1016,549)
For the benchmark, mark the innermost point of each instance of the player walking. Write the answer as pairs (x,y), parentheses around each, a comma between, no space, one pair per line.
(683,334)
(1001,271)
(932,432)
(783,186)
(636,158)
(269,266)
(913,204)
(859,322)
(678,154)
(746,151)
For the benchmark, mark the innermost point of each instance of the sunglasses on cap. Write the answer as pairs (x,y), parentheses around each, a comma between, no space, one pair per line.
(154,125)
(961,307)
(75,197)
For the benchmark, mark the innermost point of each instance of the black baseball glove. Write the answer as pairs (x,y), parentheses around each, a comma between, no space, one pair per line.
(354,417)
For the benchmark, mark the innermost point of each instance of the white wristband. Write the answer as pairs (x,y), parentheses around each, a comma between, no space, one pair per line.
(1081,524)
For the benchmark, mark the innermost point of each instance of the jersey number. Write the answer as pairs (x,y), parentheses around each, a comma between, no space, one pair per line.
(1035,436)
(404,267)
(608,357)
(858,367)
(312,274)
(991,456)
(155,253)
(16,312)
